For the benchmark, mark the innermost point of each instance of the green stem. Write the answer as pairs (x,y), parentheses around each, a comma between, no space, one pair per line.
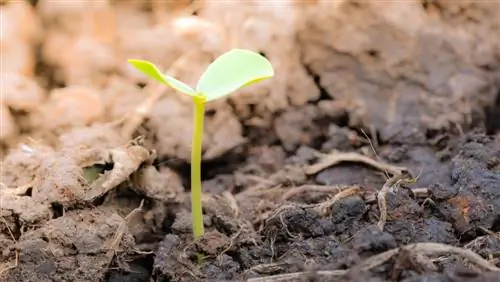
(196,207)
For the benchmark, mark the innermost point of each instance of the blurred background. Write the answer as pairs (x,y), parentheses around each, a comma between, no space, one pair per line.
(402,70)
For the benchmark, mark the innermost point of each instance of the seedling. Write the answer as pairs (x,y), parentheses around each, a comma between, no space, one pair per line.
(228,73)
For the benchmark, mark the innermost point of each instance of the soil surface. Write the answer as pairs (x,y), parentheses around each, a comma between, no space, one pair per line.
(95,170)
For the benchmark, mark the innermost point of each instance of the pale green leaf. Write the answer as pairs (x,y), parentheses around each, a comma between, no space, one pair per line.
(152,71)
(231,71)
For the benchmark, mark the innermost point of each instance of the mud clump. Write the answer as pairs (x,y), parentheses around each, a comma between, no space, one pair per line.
(71,247)
(166,263)
(474,180)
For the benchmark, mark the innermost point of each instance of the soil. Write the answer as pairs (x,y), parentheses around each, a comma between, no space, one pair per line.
(310,192)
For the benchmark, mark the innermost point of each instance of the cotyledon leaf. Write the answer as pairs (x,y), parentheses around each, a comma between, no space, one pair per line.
(231,71)
(152,71)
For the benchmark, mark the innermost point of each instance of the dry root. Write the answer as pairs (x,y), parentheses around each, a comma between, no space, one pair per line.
(389,185)
(117,238)
(399,174)
(322,208)
(325,207)
(338,157)
(295,191)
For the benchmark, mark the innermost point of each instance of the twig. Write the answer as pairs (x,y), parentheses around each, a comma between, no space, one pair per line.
(324,207)
(373,132)
(428,249)
(398,175)
(263,185)
(231,243)
(261,191)
(233,203)
(374,144)
(117,238)
(311,188)
(297,275)
(390,184)
(338,157)
(420,192)
(8,229)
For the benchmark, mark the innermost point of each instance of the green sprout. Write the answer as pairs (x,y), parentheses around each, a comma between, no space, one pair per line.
(228,73)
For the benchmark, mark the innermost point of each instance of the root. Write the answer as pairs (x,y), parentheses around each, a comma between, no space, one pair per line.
(8,229)
(289,175)
(338,157)
(420,192)
(292,192)
(325,207)
(322,208)
(262,191)
(297,275)
(232,242)
(117,238)
(389,185)
(399,174)
(377,260)
(428,249)
(233,203)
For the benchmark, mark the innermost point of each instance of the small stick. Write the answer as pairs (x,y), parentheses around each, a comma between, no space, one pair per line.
(8,229)
(420,192)
(428,249)
(325,207)
(381,196)
(297,275)
(311,188)
(117,238)
(373,133)
(336,157)
(322,208)
(231,243)
(233,203)
(374,144)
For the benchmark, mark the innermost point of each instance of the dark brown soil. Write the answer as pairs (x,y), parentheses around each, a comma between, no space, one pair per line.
(274,225)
